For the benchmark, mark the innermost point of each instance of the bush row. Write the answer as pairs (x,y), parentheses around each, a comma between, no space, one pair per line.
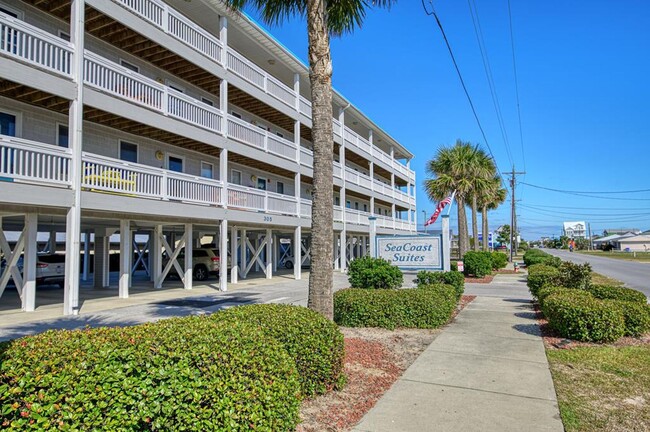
(567,274)
(232,371)
(453,278)
(428,306)
(538,256)
(368,272)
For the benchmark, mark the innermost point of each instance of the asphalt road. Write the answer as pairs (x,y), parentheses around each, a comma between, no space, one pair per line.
(635,274)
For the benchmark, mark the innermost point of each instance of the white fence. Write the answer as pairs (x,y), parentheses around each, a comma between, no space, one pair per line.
(250,134)
(193,189)
(25,160)
(357,217)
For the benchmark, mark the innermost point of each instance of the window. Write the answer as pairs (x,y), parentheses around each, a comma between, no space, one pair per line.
(7,124)
(207,101)
(62,138)
(175,86)
(10,12)
(356,205)
(235,177)
(279,187)
(207,170)
(235,114)
(261,183)
(128,152)
(365,207)
(129,66)
(337,201)
(279,134)
(175,163)
(347,204)
(63,35)
(385,212)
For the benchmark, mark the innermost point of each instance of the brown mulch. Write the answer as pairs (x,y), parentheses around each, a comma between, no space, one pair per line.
(485,279)
(374,359)
(553,341)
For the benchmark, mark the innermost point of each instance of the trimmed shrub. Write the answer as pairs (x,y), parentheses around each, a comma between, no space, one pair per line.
(313,341)
(425,307)
(547,291)
(537,256)
(181,373)
(499,260)
(575,275)
(606,292)
(368,272)
(540,275)
(453,266)
(636,316)
(453,278)
(576,316)
(478,264)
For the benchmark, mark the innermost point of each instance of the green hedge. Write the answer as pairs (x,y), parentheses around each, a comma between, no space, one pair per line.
(547,291)
(576,316)
(315,342)
(478,264)
(424,307)
(540,275)
(499,260)
(368,272)
(575,275)
(453,278)
(538,256)
(606,292)
(635,315)
(184,374)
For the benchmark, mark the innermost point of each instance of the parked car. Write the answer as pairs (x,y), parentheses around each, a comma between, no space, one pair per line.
(205,262)
(288,262)
(50,268)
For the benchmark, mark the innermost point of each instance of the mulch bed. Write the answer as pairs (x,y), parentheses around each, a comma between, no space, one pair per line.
(485,279)
(374,360)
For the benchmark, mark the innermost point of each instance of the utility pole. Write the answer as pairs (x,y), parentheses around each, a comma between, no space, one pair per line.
(590,246)
(513,217)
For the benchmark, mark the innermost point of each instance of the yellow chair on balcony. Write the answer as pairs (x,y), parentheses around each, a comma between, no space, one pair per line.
(113,179)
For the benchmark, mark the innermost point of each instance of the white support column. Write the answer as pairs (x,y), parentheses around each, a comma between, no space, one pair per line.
(296,186)
(157,258)
(223,37)
(75,127)
(296,248)
(343,249)
(189,270)
(296,88)
(223,262)
(86,266)
(29,262)
(337,252)
(234,258)
(373,236)
(51,242)
(269,254)
(223,175)
(101,257)
(276,253)
(351,248)
(243,257)
(126,253)
(364,246)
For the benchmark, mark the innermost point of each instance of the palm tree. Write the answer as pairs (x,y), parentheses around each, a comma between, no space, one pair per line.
(483,170)
(493,197)
(324,18)
(452,169)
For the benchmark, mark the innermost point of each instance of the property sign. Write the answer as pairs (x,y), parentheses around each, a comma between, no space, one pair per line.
(411,252)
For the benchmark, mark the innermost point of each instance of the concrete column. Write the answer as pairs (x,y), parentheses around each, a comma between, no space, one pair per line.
(373,236)
(223,37)
(157,259)
(343,246)
(364,246)
(51,242)
(276,253)
(223,175)
(189,270)
(102,249)
(446,244)
(29,262)
(269,254)
(234,258)
(86,266)
(297,260)
(223,252)
(337,252)
(126,254)
(351,247)
(296,186)
(243,254)
(296,88)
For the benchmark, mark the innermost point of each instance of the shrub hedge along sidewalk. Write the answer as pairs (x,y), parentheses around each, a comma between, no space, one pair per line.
(239,370)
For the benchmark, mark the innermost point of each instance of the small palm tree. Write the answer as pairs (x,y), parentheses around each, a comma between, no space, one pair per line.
(324,18)
(483,170)
(493,197)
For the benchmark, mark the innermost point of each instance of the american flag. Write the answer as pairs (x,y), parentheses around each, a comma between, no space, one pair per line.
(441,205)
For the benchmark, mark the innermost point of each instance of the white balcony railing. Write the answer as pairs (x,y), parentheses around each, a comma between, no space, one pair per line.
(246,198)
(305,208)
(23,160)
(35,46)
(252,135)
(357,178)
(305,106)
(193,189)
(110,175)
(357,217)
(337,170)
(306,157)
(338,214)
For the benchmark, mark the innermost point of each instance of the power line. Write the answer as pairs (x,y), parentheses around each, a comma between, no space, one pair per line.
(514,67)
(462,82)
(589,194)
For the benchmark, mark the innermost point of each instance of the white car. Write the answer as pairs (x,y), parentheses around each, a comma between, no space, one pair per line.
(205,262)
(288,262)
(50,268)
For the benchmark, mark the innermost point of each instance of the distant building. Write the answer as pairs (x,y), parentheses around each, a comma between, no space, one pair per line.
(612,240)
(639,243)
(619,231)
(575,229)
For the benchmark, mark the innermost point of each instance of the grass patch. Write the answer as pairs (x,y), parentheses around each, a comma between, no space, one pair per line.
(599,279)
(603,388)
(627,256)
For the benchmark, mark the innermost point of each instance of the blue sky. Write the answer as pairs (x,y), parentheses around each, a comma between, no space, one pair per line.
(583,69)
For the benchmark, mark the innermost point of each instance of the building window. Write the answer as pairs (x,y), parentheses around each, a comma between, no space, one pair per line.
(10,12)
(207,101)
(128,152)
(347,204)
(175,163)
(207,170)
(235,114)
(365,207)
(175,86)
(7,124)
(337,201)
(62,138)
(279,187)
(63,35)
(279,134)
(356,205)
(129,66)
(261,183)
(235,177)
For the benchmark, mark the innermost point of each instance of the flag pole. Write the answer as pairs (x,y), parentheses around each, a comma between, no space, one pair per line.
(451,204)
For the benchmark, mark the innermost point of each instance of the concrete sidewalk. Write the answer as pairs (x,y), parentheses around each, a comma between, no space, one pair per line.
(487,371)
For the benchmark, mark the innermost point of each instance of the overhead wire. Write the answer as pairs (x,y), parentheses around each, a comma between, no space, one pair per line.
(514,67)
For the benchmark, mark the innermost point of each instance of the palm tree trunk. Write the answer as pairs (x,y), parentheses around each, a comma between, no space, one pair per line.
(475,222)
(463,241)
(320,77)
(484,221)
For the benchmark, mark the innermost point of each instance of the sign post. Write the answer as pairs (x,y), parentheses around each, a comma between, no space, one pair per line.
(446,244)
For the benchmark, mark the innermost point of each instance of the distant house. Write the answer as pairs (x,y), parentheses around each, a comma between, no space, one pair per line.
(638,243)
(575,229)
(612,240)
(619,231)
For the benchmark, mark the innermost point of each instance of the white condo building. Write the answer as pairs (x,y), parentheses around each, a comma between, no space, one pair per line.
(171,122)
